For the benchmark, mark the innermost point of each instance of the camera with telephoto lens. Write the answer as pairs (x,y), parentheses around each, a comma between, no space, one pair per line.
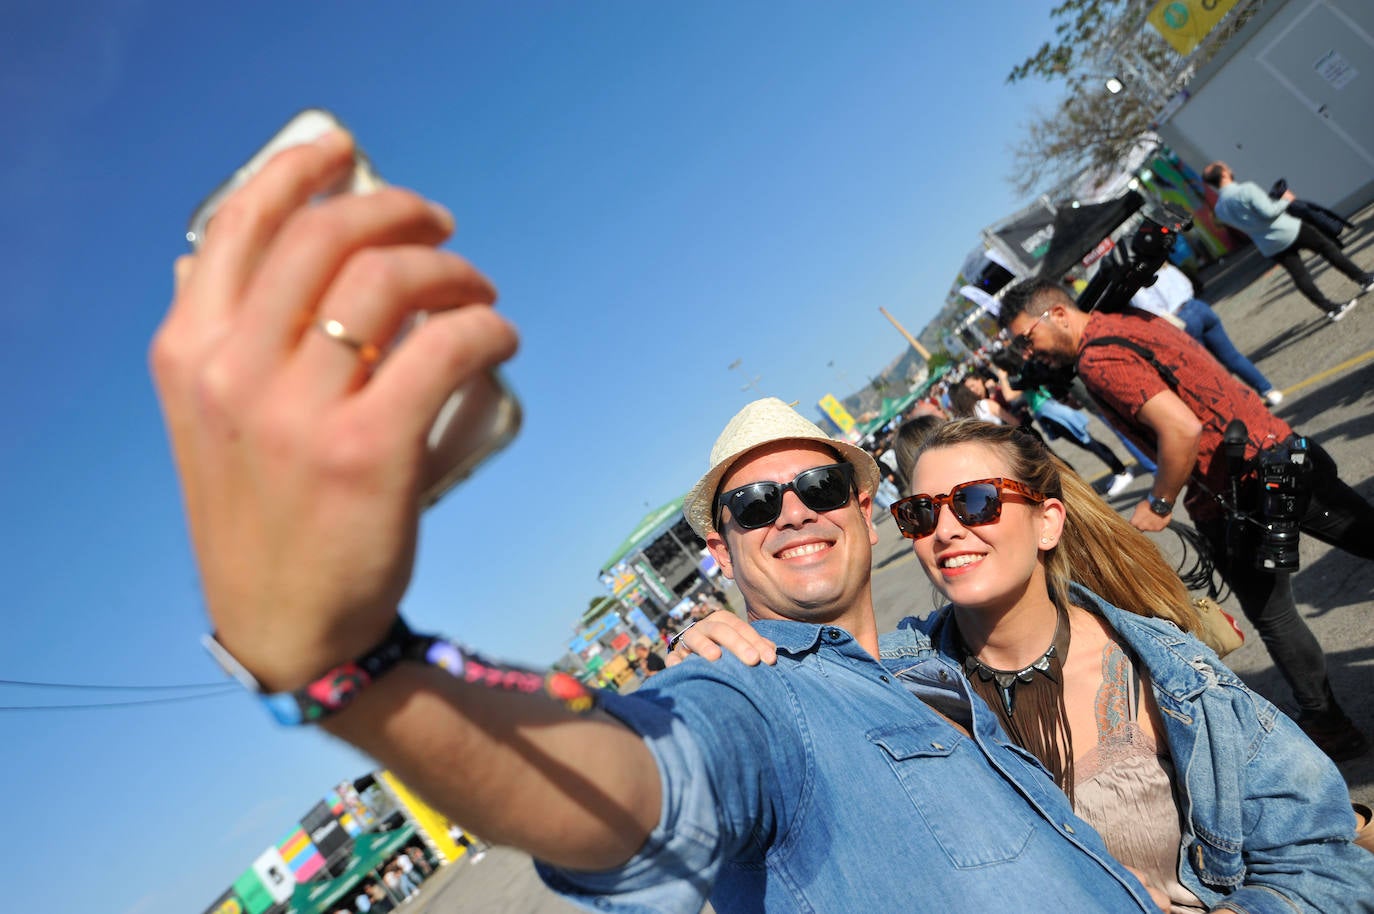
(1281,472)
(1132,266)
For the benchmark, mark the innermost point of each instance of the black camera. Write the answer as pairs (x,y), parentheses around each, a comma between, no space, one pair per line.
(1124,273)
(1281,471)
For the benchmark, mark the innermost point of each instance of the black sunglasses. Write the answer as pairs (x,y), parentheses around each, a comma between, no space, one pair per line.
(975,504)
(759,503)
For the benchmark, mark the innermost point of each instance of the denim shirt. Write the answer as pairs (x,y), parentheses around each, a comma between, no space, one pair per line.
(1266,816)
(824,784)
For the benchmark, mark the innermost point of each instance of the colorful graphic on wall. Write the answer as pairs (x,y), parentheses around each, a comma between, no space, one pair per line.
(1169,180)
(275,875)
(228,903)
(304,859)
(325,832)
(256,898)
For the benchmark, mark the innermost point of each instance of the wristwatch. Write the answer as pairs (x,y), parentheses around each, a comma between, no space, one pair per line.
(1160,506)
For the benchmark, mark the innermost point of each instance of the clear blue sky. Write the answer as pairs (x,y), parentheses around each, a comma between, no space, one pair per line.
(657,188)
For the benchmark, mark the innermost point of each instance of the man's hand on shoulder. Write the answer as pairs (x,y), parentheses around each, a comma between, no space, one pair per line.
(723,629)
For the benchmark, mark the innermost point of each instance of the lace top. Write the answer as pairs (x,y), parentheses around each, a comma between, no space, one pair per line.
(1124,788)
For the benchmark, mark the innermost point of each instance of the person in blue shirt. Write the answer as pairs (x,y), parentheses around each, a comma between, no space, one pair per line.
(1282,237)
(1210,794)
(834,781)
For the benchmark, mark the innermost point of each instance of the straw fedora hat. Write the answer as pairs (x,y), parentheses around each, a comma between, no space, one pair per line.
(764,422)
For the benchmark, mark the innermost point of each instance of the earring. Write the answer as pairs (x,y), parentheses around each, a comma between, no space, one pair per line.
(1044,540)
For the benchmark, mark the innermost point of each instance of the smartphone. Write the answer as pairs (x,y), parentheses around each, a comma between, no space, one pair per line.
(481,417)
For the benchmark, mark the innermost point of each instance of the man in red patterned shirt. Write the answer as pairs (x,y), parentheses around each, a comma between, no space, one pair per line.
(1177,405)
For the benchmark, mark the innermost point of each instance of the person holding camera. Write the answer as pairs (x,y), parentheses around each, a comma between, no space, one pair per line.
(1282,237)
(1168,393)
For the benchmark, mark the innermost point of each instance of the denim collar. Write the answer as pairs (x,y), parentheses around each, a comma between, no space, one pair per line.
(1177,662)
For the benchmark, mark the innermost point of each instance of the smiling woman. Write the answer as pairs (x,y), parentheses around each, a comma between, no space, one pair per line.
(1074,630)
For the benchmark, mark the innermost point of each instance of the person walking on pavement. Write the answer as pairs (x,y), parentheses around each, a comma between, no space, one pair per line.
(1282,237)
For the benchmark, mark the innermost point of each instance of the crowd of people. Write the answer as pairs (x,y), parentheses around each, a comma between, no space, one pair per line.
(1055,737)
(399,882)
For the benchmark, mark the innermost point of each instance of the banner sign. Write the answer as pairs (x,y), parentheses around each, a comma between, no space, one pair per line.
(655,583)
(346,811)
(256,898)
(275,875)
(1184,23)
(640,621)
(300,855)
(837,413)
(325,831)
(228,903)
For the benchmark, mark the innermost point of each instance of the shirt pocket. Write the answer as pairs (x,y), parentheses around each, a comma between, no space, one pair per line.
(955,792)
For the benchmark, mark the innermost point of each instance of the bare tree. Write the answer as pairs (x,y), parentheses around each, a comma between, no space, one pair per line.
(1092,128)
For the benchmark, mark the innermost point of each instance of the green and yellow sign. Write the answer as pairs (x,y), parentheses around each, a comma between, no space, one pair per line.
(1184,23)
(836,411)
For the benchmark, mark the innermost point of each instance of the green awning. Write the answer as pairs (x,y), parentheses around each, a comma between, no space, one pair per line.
(369,851)
(644,529)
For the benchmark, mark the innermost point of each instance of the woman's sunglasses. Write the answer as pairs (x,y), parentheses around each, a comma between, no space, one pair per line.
(759,503)
(975,504)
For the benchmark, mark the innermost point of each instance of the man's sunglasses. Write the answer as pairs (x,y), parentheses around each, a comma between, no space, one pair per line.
(1023,342)
(975,504)
(760,503)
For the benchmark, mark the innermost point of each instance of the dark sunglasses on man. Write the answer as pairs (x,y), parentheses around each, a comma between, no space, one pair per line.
(975,504)
(759,504)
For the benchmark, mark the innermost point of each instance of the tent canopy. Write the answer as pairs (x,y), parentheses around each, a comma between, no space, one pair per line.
(645,529)
(891,408)
(1079,229)
(369,851)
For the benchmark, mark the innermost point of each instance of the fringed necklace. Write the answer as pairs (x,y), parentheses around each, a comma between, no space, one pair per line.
(1029,702)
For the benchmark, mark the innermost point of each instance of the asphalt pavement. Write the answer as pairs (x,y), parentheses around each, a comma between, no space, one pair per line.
(1326,372)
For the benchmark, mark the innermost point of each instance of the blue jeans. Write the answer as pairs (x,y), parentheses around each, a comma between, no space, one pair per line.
(1203,325)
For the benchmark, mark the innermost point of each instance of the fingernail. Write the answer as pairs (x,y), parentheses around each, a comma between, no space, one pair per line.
(442,214)
(331,139)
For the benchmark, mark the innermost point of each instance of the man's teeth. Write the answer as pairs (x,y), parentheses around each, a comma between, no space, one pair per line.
(959,561)
(801,550)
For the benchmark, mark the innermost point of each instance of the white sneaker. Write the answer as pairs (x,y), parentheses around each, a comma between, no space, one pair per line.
(1119,483)
(1273,396)
(1339,313)
(1368,284)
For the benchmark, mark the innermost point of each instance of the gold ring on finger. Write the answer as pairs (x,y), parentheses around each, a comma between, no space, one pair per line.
(368,353)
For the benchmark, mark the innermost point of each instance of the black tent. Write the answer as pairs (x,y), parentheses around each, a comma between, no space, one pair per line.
(1079,229)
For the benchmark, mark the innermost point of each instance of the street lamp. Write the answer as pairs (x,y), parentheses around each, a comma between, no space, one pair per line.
(1114,85)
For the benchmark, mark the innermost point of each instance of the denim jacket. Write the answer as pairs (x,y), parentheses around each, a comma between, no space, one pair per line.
(1267,822)
(824,784)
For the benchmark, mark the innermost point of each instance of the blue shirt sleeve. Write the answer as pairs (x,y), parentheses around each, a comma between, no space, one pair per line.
(717,748)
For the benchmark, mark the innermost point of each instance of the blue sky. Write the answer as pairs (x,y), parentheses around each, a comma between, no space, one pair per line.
(657,189)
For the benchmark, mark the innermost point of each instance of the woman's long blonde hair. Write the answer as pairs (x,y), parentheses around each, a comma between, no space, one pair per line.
(1097,549)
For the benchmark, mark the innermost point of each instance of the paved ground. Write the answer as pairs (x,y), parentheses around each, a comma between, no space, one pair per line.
(1327,372)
